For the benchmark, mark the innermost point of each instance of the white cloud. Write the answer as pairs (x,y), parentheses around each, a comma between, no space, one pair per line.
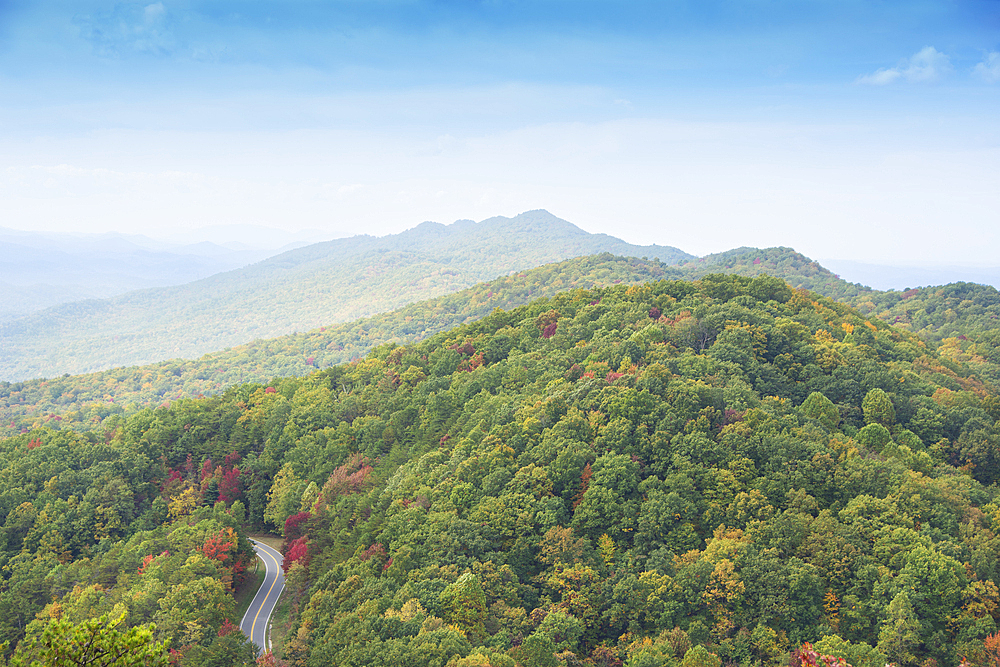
(989,69)
(926,65)
(881,77)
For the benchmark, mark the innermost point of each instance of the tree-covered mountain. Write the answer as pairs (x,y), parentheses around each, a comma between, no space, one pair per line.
(961,319)
(318,285)
(936,312)
(81,402)
(793,267)
(665,474)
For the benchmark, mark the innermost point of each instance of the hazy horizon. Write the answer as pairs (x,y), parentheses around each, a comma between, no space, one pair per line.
(877,275)
(852,130)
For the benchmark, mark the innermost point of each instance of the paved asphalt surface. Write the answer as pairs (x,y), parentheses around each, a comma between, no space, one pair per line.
(257,619)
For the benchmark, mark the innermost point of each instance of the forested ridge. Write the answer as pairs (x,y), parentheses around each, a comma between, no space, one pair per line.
(299,290)
(960,318)
(670,473)
(83,401)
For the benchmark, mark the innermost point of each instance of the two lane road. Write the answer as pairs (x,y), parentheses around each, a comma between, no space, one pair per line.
(256,621)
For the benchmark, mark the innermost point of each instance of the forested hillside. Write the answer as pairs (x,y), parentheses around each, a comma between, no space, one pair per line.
(794,268)
(318,285)
(634,475)
(102,527)
(938,312)
(83,401)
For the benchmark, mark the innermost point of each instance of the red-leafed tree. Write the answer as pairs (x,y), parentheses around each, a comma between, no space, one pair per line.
(223,547)
(230,488)
(584,484)
(992,646)
(267,659)
(808,657)
(295,527)
(227,628)
(465,348)
(352,477)
(375,550)
(207,469)
(298,551)
(220,547)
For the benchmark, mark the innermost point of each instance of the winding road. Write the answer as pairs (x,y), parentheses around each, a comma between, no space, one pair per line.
(256,621)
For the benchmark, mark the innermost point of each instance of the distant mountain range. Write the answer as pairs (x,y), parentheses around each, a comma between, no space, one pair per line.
(85,401)
(40,270)
(318,287)
(320,284)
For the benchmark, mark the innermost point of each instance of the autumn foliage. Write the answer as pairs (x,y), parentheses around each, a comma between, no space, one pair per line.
(298,551)
(351,477)
(807,657)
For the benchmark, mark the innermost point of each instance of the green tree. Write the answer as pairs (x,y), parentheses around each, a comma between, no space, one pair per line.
(878,409)
(935,582)
(874,437)
(537,650)
(610,504)
(100,642)
(817,406)
(464,604)
(699,656)
(899,637)
(856,654)
(233,649)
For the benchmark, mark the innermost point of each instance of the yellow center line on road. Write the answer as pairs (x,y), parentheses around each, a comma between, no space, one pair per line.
(253,625)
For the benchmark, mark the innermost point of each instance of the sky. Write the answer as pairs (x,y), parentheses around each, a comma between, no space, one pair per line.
(866,131)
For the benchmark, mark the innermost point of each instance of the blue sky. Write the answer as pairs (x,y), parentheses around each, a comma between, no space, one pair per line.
(856,130)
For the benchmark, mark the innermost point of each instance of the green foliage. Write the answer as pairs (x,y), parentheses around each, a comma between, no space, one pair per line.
(937,312)
(874,436)
(899,637)
(700,657)
(464,604)
(819,407)
(100,642)
(698,485)
(878,409)
(856,654)
(233,649)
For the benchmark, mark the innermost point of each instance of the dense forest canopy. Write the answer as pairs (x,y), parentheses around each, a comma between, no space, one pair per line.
(669,473)
(958,318)
(83,402)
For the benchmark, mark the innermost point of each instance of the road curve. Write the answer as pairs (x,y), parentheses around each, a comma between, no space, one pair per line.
(257,619)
